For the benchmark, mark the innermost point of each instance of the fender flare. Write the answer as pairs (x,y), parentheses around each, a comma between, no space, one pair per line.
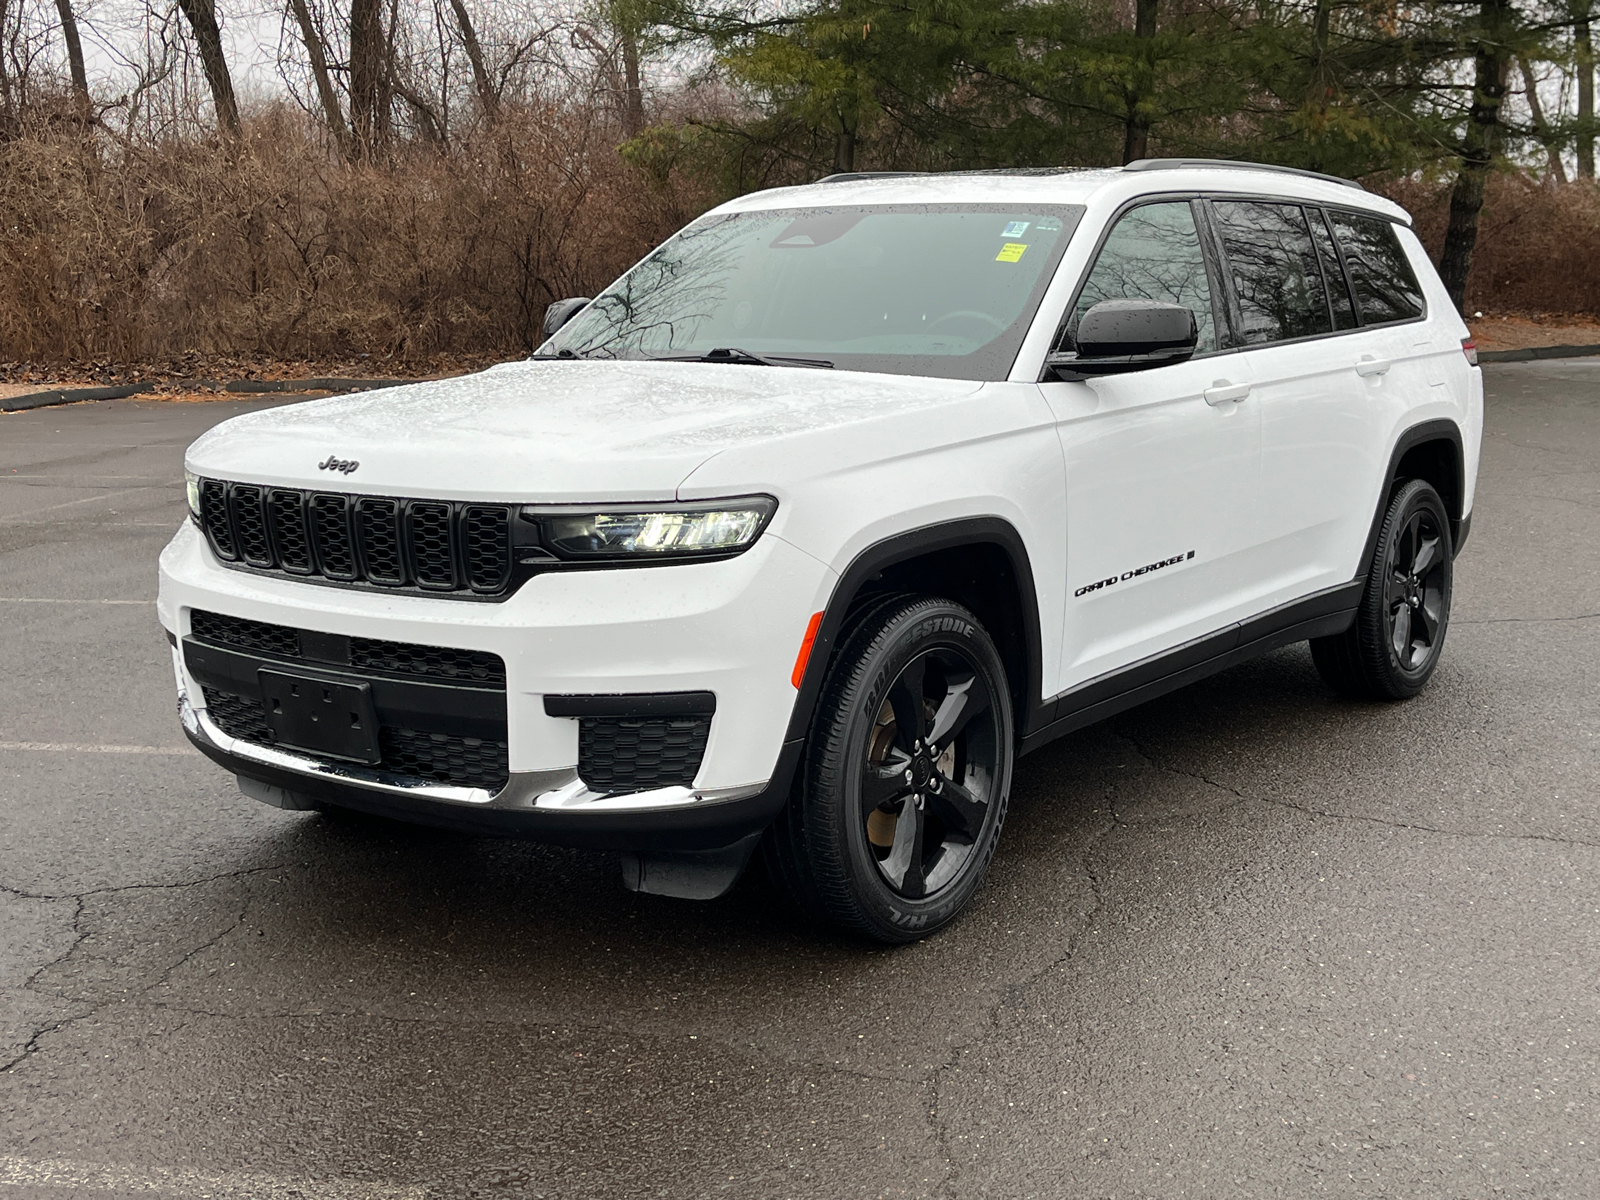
(1441,428)
(902,547)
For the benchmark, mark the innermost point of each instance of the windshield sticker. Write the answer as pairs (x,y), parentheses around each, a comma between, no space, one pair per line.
(1011,252)
(1049,225)
(1015,229)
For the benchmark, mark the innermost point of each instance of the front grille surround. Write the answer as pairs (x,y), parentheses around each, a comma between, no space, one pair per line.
(447,548)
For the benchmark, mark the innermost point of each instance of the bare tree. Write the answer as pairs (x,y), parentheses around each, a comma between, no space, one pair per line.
(369,74)
(1583,48)
(317,56)
(1542,132)
(488,97)
(69,34)
(202,16)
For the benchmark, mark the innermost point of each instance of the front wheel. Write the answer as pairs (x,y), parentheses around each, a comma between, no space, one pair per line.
(1390,651)
(907,772)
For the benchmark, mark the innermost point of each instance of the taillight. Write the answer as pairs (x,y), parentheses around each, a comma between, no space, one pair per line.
(1470,349)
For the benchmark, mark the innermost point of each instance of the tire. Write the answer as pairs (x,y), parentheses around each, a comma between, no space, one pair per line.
(1392,648)
(900,804)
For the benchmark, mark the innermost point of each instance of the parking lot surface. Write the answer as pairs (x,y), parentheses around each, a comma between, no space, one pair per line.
(1247,941)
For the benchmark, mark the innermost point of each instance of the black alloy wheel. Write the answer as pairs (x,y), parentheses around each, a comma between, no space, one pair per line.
(928,774)
(1414,591)
(1392,648)
(903,795)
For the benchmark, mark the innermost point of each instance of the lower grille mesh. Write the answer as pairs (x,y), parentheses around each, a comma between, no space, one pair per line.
(623,754)
(434,757)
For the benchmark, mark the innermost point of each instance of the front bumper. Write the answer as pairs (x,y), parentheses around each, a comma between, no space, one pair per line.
(717,627)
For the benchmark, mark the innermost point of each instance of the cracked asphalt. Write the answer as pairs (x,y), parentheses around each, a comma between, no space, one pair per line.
(1247,941)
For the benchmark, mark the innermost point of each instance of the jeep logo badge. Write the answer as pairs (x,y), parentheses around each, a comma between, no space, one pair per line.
(342,465)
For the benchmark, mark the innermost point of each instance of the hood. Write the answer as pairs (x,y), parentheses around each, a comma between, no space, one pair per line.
(550,431)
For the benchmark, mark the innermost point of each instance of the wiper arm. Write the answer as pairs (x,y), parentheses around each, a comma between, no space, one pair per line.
(731,354)
(562,353)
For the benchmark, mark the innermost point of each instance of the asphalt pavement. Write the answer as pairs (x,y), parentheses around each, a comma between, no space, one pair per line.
(1247,941)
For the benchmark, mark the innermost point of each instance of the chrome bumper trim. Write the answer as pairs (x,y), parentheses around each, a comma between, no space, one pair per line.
(558,789)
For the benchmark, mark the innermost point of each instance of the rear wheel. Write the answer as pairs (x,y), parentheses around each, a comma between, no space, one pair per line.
(1391,650)
(903,793)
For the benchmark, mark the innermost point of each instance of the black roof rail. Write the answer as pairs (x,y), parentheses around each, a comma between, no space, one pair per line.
(1175,164)
(847,176)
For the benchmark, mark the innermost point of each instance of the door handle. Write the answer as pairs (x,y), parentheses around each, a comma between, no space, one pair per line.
(1372,366)
(1222,391)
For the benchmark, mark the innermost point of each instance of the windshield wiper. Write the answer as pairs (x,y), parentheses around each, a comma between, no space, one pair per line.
(731,354)
(562,353)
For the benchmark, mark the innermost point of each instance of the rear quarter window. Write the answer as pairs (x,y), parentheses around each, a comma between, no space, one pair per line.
(1385,287)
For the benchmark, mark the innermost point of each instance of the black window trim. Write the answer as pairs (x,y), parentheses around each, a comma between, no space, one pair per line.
(1362,322)
(1220,276)
(1214,275)
(1338,259)
(1362,325)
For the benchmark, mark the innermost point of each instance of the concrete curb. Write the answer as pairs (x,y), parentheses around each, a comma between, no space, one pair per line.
(1537,352)
(71,396)
(237,386)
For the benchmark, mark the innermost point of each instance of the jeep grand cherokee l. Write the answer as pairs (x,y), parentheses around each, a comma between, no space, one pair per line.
(798,534)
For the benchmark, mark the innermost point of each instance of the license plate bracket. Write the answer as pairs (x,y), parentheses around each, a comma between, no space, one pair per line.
(322,716)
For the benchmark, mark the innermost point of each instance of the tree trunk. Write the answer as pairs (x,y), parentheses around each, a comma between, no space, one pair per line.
(202,16)
(844,150)
(1319,91)
(1541,127)
(367,63)
(317,54)
(633,101)
(1136,126)
(488,100)
(1583,44)
(80,76)
(1480,147)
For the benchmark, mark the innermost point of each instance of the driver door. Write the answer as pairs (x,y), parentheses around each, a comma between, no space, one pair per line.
(1162,465)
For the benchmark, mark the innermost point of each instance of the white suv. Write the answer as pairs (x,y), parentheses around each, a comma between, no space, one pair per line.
(799,533)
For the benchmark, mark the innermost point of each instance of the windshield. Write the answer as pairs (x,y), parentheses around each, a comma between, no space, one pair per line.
(930,289)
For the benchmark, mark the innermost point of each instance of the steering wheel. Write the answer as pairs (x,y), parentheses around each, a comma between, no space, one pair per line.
(968,314)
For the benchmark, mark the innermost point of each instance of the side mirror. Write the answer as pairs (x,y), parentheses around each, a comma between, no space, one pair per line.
(1117,336)
(562,311)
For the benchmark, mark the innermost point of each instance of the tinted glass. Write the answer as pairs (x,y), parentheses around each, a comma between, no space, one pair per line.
(1344,309)
(1274,270)
(944,290)
(1153,253)
(1385,287)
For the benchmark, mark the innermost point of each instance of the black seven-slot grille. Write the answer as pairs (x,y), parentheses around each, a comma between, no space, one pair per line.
(441,711)
(442,547)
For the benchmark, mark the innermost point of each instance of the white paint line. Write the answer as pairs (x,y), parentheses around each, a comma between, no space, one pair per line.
(52,600)
(82,748)
(178,1181)
(21,518)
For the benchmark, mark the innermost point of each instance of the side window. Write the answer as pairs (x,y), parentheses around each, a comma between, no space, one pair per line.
(1153,253)
(1385,287)
(1344,309)
(1274,269)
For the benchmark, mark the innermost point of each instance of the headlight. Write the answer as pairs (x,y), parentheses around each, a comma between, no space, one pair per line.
(193,484)
(702,529)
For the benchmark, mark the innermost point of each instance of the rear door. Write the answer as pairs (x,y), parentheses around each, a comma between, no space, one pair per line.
(1161,464)
(1294,314)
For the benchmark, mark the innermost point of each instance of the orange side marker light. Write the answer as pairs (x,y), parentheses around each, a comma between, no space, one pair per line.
(805,649)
